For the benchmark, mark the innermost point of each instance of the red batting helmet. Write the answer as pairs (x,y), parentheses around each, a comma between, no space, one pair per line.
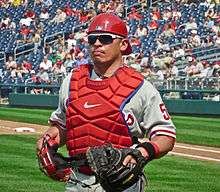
(107,22)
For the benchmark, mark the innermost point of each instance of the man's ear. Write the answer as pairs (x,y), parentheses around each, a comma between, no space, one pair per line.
(123,45)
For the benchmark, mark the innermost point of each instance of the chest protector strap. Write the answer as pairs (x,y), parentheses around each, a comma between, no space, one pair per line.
(94,114)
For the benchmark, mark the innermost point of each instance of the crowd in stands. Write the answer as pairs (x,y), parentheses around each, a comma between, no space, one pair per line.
(168,40)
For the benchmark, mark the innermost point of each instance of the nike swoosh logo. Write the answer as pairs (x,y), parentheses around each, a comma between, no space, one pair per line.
(88,106)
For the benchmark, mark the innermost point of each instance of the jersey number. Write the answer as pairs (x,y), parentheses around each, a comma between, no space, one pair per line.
(164,111)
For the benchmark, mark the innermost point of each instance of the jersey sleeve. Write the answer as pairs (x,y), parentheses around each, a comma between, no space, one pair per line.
(156,119)
(58,117)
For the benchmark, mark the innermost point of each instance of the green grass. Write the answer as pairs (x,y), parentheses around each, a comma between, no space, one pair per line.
(194,130)
(183,175)
(19,171)
(198,130)
(35,116)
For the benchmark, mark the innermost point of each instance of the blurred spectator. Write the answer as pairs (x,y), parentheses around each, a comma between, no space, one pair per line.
(144,61)
(210,13)
(132,62)
(172,69)
(43,75)
(47,49)
(54,57)
(216,68)
(146,71)
(153,25)
(134,15)
(167,14)
(80,60)
(33,75)
(120,9)
(156,14)
(46,64)
(80,34)
(194,40)
(135,41)
(4,21)
(159,73)
(69,63)
(68,10)
(61,53)
(191,69)
(37,90)
(24,32)
(11,63)
(205,72)
(60,41)
(71,41)
(60,16)
(59,69)
(101,7)
(168,31)
(74,51)
(207,41)
(191,25)
(176,13)
(29,13)
(83,16)
(26,66)
(178,52)
(20,71)
(44,14)
(216,39)
(36,39)
(90,4)
(162,45)
(25,21)
(140,31)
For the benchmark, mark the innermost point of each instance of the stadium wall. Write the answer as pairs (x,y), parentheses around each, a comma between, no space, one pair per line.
(174,106)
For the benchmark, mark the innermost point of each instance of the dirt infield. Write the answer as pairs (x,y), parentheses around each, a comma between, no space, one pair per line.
(184,150)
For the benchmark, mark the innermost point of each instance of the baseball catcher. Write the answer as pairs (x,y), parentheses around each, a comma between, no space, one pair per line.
(102,106)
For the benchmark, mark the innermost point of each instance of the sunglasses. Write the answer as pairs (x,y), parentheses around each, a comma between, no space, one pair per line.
(103,38)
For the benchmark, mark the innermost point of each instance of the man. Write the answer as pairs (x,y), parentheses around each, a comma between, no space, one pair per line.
(109,102)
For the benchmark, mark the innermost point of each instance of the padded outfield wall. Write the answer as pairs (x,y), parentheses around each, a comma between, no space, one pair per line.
(174,106)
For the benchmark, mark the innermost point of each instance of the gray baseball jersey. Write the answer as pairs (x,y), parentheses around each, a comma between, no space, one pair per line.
(145,113)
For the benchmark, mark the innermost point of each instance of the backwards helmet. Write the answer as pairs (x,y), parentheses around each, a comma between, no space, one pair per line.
(110,23)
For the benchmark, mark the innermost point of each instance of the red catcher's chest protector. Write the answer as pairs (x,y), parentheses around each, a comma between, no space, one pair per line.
(94,114)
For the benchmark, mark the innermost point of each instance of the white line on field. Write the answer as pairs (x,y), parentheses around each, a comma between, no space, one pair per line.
(194,156)
(198,149)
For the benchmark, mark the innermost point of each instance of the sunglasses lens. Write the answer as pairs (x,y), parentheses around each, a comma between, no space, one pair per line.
(104,39)
(92,39)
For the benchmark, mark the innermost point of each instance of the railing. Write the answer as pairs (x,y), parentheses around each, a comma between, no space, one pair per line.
(23,49)
(209,87)
(50,39)
(2,60)
(187,83)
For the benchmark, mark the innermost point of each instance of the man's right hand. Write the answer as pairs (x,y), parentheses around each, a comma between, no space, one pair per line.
(54,133)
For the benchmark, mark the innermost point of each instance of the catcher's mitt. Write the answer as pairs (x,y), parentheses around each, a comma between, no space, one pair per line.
(53,164)
(106,162)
